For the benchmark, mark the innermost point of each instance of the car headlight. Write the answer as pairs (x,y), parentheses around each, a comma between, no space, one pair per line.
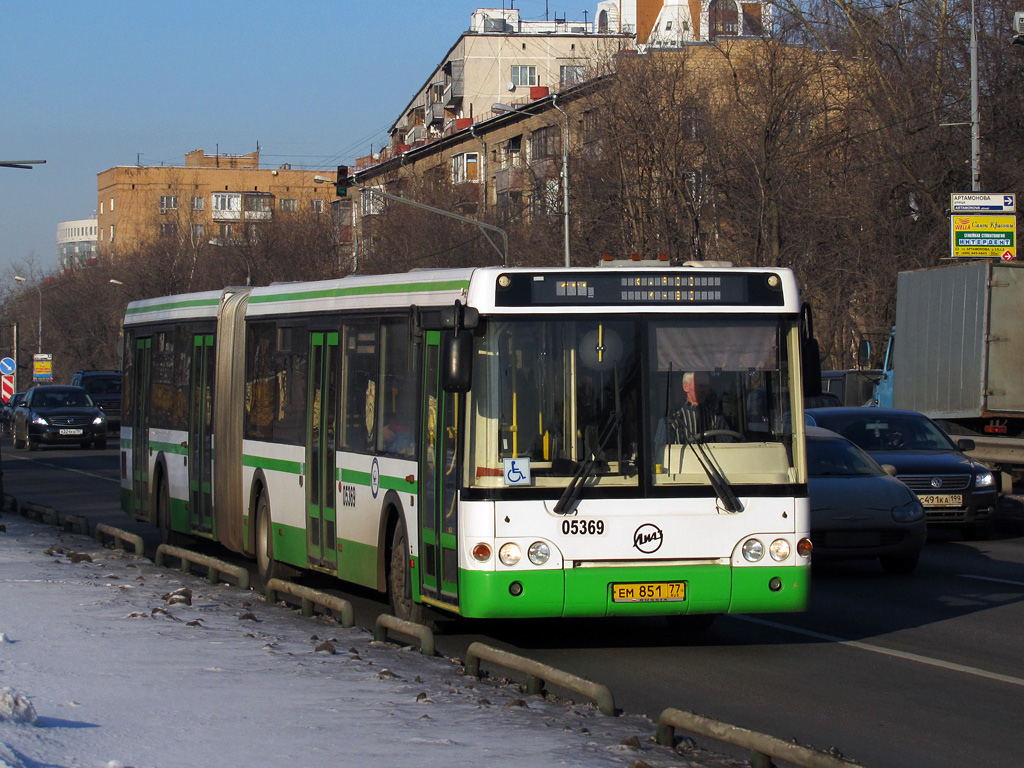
(779,550)
(539,552)
(40,421)
(753,550)
(909,512)
(984,480)
(101,419)
(510,554)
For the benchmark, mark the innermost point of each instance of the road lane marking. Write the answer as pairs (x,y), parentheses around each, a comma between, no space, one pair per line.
(67,469)
(947,665)
(989,578)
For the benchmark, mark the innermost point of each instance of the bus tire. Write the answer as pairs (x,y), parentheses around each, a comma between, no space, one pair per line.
(267,566)
(162,501)
(400,578)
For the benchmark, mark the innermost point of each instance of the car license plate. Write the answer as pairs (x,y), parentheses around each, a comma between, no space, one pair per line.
(71,431)
(942,500)
(649,592)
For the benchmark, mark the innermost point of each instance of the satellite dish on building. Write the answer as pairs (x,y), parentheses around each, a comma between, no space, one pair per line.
(511,85)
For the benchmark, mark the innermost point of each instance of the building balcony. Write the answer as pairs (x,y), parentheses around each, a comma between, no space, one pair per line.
(435,113)
(227,215)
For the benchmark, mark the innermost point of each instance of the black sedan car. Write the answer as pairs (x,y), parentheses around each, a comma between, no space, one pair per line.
(57,415)
(859,511)
(954,489)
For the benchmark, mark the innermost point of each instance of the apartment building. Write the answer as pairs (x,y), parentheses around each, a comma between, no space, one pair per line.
(217,198)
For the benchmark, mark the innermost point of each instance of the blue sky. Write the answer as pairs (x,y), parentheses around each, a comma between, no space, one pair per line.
(88,86)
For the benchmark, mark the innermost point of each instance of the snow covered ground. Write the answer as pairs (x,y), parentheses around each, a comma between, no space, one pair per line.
(107,661)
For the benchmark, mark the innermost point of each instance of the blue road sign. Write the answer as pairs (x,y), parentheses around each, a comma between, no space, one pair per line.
(7,366)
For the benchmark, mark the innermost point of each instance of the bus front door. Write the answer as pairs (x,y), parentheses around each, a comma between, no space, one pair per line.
(439,522)
(200,434)
(321,431)
(140,432)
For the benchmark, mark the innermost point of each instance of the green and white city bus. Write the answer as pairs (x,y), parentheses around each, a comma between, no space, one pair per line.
(484,441)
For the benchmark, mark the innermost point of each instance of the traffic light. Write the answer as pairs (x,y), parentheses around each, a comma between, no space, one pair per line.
(341,185)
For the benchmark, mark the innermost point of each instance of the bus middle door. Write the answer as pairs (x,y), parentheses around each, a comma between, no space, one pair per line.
(439,522)
(321,431)
(200,434)
(140,429)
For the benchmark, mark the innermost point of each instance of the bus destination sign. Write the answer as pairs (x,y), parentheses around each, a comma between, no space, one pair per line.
(615,287)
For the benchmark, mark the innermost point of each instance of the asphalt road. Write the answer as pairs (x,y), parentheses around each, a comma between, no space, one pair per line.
(925,670)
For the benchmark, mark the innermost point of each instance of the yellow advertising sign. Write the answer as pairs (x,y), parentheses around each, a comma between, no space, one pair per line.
(42,367)
(983,236)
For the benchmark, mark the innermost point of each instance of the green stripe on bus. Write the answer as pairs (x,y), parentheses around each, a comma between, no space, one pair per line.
(275,465)
(173,305)
(387,482)
(176,448)
(361,290)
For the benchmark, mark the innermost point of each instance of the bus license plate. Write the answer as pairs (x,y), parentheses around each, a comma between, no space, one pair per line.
(71,431)
(649,592)
(942,500)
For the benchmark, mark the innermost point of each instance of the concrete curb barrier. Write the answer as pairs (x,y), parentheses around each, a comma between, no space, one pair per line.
(10,503)
(537,674)
(76,524)
(40,513)
(120,538)
(335,606)
(215,568)
(762,747)
(409,629)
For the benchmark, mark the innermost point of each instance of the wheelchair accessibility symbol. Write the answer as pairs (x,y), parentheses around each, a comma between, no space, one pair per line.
(517,472)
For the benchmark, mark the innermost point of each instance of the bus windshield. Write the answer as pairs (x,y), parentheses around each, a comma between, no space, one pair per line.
(678,400)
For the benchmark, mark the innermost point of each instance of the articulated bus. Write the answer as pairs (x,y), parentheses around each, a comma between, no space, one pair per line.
(489,442)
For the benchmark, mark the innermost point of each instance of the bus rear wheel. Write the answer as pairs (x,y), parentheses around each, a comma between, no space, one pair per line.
(267,566)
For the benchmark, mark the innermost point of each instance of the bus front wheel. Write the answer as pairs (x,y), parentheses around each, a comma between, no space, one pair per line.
(400,578)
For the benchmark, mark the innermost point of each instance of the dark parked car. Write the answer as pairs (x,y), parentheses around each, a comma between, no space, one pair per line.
(56,415)
(7,412)
(858,511)
(954,489)
(104,387)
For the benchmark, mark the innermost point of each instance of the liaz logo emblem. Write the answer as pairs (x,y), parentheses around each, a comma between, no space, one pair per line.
(375,478)
(647,538)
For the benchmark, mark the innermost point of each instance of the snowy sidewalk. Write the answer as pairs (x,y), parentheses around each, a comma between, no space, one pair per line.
(128,664)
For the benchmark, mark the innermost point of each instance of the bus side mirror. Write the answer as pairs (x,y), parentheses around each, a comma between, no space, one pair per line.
(863,353)
(456,361)
(810,353)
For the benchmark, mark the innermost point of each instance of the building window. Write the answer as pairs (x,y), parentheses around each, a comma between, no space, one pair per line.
(168,203)
(198,203)
(545,142)
(111,205)
(169,229)
(465,167)
(111,233)
(512,157)
(101,207)
(227,202)
(198,231)
(225,233)
(318,206)
(289,205)
(571,75)
(524,74)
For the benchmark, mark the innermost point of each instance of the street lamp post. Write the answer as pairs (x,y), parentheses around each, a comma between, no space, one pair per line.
(40,289)
(505,108)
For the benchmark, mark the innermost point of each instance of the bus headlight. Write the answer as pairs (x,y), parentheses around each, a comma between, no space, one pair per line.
(539,552)
(510,554)
(753,550)
(779,550)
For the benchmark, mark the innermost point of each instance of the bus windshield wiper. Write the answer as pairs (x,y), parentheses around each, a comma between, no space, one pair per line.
(589,467)
(719,482)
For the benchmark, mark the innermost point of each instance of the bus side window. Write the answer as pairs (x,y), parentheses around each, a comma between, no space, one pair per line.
(359,385)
